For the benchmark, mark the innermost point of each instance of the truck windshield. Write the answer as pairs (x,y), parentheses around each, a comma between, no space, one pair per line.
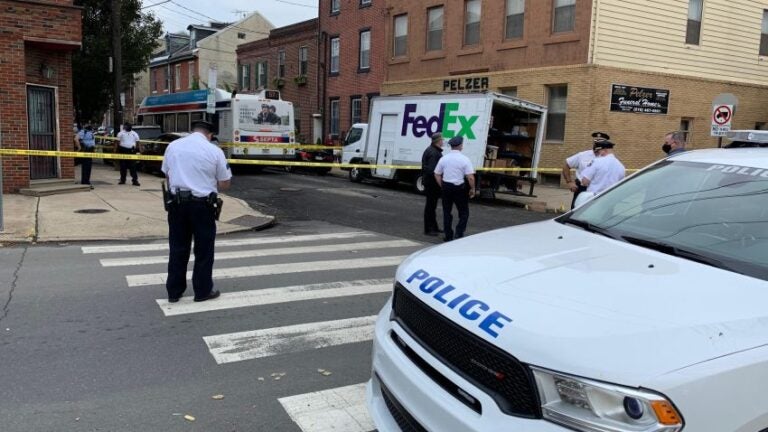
(716,214)
(353,136)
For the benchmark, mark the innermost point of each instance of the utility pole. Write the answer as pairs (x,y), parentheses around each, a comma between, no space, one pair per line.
(117,56)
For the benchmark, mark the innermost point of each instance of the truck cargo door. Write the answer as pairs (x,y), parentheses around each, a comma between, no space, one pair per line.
(387,134)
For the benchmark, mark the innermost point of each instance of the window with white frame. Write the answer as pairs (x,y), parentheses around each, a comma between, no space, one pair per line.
(365,50)
(245,76)
(334,118)
(304,60)
(514,24)
(764,35)
(281,64)
(558,104)
(335,49)
(356,109)
(190,74)
(335,6)
(563,16)
(435,28)
(261,74)
(365,2)
(177,77)
(472,10)
(400,43)
(693,30)
(167,78)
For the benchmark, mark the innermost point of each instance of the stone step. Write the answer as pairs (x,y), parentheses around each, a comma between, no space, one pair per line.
(48,187)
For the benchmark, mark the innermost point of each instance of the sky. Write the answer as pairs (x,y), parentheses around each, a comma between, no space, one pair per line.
(178,14)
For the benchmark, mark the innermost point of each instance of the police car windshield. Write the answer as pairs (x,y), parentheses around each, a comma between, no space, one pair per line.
(711,213)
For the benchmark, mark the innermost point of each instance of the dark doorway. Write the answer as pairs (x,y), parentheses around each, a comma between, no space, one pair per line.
(41,115)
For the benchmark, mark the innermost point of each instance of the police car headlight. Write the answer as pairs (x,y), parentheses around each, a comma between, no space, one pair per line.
(590,406)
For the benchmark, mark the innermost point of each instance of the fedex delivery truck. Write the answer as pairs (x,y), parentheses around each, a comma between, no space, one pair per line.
(499,132)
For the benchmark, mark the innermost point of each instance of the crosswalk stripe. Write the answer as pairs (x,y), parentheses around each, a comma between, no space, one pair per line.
(340,409)
(260,297)
(274,269)
(248,345)
(116,262)
(230,243)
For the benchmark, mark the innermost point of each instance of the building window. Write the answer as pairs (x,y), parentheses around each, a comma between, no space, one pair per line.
(154,80)
(686,127)
(435,28)
(365,3)
(334,126)
(356,109)
(400,47)
(365,50)
(245,76)
(335,6)
(764,35)
(190,74)
(509,91)
(472,22)
(177,77)
(281,64)
(558,96)
(304,59)
(515,21)
(564,16)
(261,74)
(693,32)
(167,78)
(335,55)
(241,35)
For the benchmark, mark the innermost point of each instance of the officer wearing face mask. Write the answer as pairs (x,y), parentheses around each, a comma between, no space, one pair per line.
(674,143)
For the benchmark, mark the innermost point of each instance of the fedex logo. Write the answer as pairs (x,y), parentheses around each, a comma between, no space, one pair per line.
(444,122)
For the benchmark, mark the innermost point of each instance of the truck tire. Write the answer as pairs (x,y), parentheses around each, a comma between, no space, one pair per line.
(418,184)
(356,175)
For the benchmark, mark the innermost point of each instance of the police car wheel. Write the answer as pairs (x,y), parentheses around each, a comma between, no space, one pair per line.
(356,175)
(418,184)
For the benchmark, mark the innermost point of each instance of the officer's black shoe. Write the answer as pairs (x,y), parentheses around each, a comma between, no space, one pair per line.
(121,182)
(214,294)
(173,299)
(136,183)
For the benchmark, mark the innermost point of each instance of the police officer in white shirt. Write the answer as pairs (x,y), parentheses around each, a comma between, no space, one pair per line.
(579,162)
(196,170)
(450,173)
(128,143)
(605,170)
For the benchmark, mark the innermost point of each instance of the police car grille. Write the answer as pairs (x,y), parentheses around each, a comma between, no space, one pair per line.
(402,417)
(503,377)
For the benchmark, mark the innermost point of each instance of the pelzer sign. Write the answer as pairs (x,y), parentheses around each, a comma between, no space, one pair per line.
(446,122)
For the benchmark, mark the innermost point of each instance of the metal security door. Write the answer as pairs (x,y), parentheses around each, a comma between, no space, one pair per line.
(387,134)
(42,131)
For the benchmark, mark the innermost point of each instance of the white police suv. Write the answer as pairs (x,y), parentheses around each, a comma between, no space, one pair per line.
(646,310)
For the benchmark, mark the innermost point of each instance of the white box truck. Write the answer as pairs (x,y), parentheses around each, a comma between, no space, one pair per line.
(500,132)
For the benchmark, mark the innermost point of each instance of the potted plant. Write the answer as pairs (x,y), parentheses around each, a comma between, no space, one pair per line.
(300,80)
(278,82)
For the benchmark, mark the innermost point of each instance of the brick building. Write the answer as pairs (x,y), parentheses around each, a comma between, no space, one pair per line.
(596,66)
(286,61)
(354,60)
(37,113)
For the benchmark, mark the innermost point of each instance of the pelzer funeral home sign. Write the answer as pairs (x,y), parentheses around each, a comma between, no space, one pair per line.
(631,99)
(466,84)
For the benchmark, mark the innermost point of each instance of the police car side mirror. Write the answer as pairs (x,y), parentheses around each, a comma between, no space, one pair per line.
(583,198)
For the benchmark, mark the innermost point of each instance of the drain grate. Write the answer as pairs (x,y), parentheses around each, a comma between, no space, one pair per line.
(91,211)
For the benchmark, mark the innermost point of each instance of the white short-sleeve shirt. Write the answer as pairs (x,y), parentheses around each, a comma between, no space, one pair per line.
(603,173)
(192,163)
(454,167)
(580,161)
(128,139)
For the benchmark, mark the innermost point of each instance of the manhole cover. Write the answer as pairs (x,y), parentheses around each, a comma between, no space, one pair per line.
(290,189)
(91,211)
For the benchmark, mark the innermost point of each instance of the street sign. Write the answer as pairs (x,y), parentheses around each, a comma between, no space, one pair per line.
(722,115)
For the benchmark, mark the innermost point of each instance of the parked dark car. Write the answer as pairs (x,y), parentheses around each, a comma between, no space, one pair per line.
(158,149)
(321,156)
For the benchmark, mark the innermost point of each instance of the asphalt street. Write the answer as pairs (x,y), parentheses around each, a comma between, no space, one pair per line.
(88,341)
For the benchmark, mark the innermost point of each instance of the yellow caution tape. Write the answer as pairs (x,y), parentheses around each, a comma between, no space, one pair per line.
(233,144)
(140,157)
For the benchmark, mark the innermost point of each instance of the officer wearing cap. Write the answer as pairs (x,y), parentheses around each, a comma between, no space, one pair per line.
(196,170)
(429,160)
(452,173)
(604,171)
(579,162)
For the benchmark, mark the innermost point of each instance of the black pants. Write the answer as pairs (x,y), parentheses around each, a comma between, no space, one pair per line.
(85,166)
(458,195)
(187,220)
(579,189)
(432,192)
(126,165)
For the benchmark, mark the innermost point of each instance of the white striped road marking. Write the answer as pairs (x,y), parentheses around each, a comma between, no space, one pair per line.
(274,269)
(260,297)
(295,250)
(235,347)
(229,243)
(340,409)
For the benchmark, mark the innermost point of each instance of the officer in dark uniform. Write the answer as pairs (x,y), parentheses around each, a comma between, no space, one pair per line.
(195,170)
(429,160)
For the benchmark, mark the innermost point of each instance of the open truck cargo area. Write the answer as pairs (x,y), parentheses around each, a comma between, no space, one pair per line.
(502,137)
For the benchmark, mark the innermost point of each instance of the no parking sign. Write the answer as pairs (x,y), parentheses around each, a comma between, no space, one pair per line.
(722,115)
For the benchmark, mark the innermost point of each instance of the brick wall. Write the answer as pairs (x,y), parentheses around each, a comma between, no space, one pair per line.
(33,32)
(288,39)
(347,24)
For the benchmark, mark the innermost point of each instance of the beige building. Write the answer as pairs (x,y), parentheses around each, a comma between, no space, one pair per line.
(635,69)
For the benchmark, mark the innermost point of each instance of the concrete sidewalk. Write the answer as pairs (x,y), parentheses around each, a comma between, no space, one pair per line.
(108,212)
